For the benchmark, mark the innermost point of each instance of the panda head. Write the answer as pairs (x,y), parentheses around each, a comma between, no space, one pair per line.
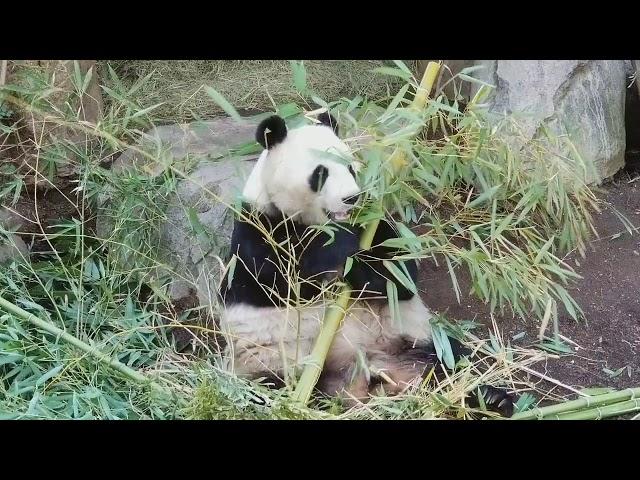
(305,173)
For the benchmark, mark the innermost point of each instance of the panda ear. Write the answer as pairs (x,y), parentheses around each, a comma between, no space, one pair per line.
(329,120)
(271,132)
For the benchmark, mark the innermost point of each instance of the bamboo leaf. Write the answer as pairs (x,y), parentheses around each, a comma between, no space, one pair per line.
(484,197)
(443,346)
(400,276)
(50,374)
(147,110)
(223,103)
(87,80)
(392,298)
(394,72)
(348,264)
(288,110)
(402,66)
(474,80)
(299,76)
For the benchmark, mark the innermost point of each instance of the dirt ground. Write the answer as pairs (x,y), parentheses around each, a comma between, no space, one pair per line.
(609,294)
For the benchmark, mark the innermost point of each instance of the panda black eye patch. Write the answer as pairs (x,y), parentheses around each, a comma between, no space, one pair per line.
(318,178)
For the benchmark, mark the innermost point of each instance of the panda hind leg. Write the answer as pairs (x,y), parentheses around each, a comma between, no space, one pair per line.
(409,359)
(401,364)
(393,376)
(496,400)
(348,384)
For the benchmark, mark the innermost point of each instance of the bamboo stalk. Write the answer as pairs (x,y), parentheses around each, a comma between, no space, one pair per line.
(330,326)
(3,72)
(570,407)
(398,158)
(93,351)
(336,312)
(598,413)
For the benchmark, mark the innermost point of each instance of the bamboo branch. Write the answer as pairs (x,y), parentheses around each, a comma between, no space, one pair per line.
(598,413)
(569,409)
(336,312)
(3,72)
(93,351)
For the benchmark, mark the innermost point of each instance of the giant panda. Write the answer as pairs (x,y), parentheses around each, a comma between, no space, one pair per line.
(305,178)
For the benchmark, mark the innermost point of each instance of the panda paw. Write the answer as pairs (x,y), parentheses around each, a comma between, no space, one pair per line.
(496,400)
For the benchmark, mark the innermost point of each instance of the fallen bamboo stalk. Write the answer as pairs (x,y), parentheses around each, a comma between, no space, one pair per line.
(336,312)
(589,403)
(76,342)
(598,413)
(3,72)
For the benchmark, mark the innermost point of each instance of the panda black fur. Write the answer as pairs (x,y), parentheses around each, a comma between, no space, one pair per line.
(272,325)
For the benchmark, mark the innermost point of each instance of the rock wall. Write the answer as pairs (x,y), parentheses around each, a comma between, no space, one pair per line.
(197,227)
(584,99)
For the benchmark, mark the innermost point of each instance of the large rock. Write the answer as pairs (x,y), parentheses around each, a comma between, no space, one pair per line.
(198,140)
(634,72)
(197,231)
(12,247)
(582,98)
(198,224)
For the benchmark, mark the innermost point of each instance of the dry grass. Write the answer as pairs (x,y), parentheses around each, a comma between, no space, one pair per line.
(247,84)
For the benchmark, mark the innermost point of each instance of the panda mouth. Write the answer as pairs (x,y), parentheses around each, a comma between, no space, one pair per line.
(339,216)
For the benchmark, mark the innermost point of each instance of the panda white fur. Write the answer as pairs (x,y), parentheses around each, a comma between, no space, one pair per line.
(305,177)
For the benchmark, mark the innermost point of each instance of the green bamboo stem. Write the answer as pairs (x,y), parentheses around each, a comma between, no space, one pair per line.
(94,352)
(630,394)
(606,411)
(313,368)
(335,313)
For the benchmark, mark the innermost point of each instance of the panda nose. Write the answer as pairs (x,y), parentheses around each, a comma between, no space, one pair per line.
(351,200)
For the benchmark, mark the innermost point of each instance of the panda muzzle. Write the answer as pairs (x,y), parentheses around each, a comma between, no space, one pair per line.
(339,216)
(343,215)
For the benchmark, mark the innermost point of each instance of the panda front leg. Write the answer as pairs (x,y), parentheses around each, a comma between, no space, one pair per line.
(369,278)
(346,383)
(369,274)
(324,257)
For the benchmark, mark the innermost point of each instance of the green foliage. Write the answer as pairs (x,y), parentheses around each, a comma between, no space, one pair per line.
(466,198)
